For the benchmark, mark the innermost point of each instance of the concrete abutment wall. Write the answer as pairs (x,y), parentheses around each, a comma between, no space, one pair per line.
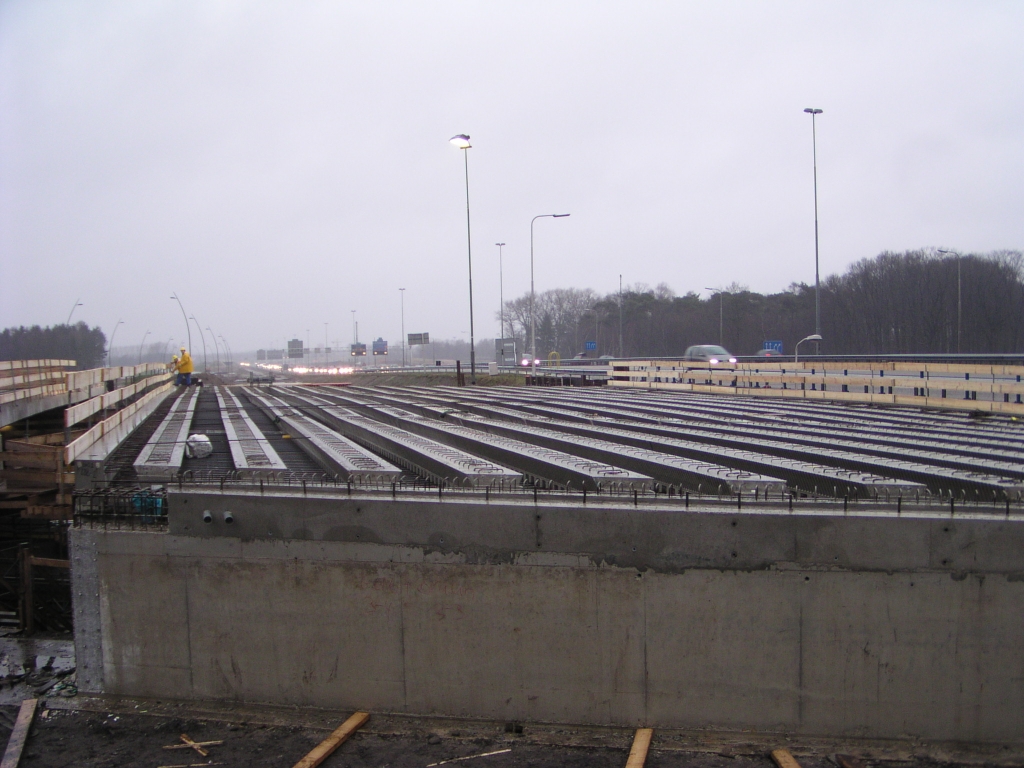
(812,624)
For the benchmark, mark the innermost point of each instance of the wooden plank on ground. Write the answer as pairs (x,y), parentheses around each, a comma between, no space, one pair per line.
(17,741)
(31,459)
(325,748)
(51,562)
(30,476)
(638,752)
(48,511)
(36,444)
(784,759)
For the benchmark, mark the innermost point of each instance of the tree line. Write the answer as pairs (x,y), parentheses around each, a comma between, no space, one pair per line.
(76,342)
(917,302)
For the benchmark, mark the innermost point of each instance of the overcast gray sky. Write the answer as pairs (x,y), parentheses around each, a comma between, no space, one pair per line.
(280,164)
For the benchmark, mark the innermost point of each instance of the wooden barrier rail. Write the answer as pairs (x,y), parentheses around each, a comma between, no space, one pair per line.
(142,407)
(24,394)
(995,388)
(77,413)
(83,379)
(10,367)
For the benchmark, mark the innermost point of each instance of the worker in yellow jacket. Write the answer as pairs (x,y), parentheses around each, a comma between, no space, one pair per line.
(185,369)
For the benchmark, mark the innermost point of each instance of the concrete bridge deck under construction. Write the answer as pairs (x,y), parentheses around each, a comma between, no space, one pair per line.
(599,555)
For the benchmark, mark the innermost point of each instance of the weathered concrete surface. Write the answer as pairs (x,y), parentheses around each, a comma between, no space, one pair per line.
(846,626)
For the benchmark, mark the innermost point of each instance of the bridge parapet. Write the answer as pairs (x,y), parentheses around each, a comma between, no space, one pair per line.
(962,386)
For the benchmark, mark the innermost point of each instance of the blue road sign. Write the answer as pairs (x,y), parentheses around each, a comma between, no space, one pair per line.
(591,346)
(774,346)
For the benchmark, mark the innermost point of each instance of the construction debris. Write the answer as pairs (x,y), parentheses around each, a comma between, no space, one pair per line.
(784,759)
(12,756)
(326,747)
(470,757)
(638,752)
(196,745)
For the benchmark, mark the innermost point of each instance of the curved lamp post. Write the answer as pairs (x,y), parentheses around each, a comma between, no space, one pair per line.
(533,327)
(110,347)
(215,346)
(959,303)
(188,330)
(812,337)
(203,337)
(141,344)
(76,305)
(228,348)
(461,141)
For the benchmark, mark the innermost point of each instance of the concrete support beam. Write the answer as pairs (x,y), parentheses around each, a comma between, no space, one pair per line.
(850,626)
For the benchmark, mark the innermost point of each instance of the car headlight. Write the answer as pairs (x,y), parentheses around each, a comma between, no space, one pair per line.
(732,359)
(713,361)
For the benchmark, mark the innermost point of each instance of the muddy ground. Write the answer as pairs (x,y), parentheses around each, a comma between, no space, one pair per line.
(131,735)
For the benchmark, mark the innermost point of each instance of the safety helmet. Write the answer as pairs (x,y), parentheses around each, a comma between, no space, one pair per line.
(183,349)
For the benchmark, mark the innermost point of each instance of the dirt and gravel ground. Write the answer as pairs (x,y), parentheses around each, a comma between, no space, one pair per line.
(104,733)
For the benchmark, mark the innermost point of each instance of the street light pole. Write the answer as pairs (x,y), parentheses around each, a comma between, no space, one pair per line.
(813,337)
(141,343)
(533,325)
(721,313)
(188,329)
(620,317)
(74,306)
(817,283)
(501,301)
(110,347)
(203,337)
(216,346)
(228,348)
(462,142)
(959,297)
(327,358)
(402,294)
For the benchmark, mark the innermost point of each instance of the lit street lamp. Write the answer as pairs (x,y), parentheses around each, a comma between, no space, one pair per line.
(533,326)
(462,142)
(817,284)
(959,303)
(812,337)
